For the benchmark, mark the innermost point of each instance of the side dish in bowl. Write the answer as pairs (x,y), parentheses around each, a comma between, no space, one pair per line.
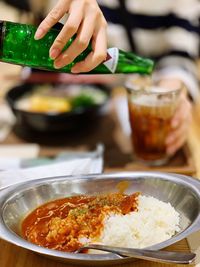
(54,107)
(57,99)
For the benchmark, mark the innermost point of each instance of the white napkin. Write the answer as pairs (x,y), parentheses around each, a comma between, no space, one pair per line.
(69,167)
(21,151)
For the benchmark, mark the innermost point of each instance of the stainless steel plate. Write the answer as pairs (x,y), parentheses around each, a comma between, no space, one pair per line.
(17,201)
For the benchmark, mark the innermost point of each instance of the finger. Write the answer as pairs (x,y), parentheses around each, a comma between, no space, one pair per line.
(176,134)
(178,116)
(183,112)
(69,29)
(184,117)
(178,143)
(52,18)
(97,56)
(79,44)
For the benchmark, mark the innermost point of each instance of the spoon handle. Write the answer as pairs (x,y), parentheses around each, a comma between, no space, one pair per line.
(151,255)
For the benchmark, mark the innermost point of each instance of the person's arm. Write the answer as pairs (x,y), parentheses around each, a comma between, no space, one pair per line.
(86,20)
(180,68)
(181,37)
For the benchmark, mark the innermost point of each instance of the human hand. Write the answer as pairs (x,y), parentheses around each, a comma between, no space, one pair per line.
(181,120)
(87,21)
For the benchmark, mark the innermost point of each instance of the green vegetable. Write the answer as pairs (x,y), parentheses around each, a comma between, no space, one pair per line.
(82,100)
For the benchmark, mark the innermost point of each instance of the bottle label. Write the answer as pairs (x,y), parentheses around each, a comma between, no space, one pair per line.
(112,59)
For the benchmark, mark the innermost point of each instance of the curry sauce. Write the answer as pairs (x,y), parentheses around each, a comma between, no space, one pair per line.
(65,224)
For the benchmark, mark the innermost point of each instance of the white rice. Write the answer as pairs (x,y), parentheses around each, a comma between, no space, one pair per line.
(154,222)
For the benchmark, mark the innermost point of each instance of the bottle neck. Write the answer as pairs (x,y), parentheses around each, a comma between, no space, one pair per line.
(1,37)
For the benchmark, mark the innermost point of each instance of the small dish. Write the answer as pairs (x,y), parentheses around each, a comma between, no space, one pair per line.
(52,122)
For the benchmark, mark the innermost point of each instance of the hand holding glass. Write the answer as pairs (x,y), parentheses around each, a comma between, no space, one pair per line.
(151,109)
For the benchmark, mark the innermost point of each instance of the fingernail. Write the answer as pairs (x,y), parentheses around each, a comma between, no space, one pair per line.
(62,61)
(58,65)
(39,34)
(74,70)
(54,53)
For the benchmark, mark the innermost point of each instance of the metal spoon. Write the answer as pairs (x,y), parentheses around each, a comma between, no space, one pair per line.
(151,255)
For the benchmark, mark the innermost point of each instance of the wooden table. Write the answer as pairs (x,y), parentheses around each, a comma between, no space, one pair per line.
(104,131)
(13,256)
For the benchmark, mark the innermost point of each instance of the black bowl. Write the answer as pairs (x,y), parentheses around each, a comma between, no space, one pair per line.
(50,122)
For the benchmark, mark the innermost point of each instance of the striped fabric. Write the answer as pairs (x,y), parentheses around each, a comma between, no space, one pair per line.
(166,30)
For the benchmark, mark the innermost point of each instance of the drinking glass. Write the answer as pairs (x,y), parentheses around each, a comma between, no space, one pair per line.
(151,109)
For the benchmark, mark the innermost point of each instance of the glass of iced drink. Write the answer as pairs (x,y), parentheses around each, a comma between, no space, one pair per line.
(151,109)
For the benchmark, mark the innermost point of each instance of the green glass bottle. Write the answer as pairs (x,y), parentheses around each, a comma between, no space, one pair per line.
(18,46)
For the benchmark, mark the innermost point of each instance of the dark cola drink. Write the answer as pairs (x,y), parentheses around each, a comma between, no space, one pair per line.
(150,115)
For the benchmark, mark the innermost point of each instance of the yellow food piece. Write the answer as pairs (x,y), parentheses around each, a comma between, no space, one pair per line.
(49,104)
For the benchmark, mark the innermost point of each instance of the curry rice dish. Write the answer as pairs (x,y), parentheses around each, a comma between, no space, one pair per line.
(112,219)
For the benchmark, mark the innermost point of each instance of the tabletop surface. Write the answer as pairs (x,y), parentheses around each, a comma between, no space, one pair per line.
(13,256)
